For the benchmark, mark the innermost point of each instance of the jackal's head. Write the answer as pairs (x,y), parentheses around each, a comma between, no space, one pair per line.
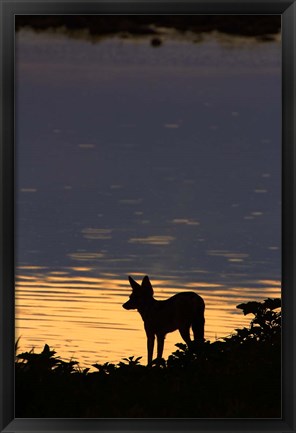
(141,293)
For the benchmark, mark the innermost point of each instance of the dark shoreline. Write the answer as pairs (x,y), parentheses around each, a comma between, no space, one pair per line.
(238,376)
(264,27)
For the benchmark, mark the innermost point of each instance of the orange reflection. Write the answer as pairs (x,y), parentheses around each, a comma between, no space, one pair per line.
(82,316)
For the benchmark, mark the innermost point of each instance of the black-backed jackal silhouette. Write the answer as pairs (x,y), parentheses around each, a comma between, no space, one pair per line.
(181,311)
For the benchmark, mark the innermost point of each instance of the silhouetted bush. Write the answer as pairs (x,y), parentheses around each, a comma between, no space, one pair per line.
(236,376)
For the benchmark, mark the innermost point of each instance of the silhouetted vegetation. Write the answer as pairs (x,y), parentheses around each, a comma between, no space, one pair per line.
(237,376)
(127,25)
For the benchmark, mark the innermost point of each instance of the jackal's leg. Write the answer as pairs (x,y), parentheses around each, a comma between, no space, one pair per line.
(160,344)
(185,334)
(198,326)
(150,346)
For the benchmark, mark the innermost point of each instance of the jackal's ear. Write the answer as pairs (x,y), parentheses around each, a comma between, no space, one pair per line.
(147,285)
(134,284)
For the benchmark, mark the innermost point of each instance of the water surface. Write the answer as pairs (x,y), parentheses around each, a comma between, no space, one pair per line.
(135,160)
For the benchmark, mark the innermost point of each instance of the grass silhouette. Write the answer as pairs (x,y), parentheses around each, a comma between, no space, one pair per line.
(238,376)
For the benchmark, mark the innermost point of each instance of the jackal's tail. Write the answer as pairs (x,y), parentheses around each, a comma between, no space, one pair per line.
(198,328)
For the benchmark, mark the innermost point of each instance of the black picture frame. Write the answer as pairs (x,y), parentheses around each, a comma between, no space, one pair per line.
(8,10)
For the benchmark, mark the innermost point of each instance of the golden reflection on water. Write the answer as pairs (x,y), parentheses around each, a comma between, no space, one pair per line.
(81,316)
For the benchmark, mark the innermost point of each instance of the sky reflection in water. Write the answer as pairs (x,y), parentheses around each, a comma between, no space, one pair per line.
(133,160)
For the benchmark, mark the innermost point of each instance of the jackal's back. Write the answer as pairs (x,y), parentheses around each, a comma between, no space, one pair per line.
(178,311)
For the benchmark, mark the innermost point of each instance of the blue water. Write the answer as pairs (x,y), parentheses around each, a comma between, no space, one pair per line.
(138,160)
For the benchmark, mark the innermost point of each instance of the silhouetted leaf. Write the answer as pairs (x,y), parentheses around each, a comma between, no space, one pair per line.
(250,307)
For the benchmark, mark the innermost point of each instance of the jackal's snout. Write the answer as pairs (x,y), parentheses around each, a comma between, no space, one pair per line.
(129,305)
(125,305)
